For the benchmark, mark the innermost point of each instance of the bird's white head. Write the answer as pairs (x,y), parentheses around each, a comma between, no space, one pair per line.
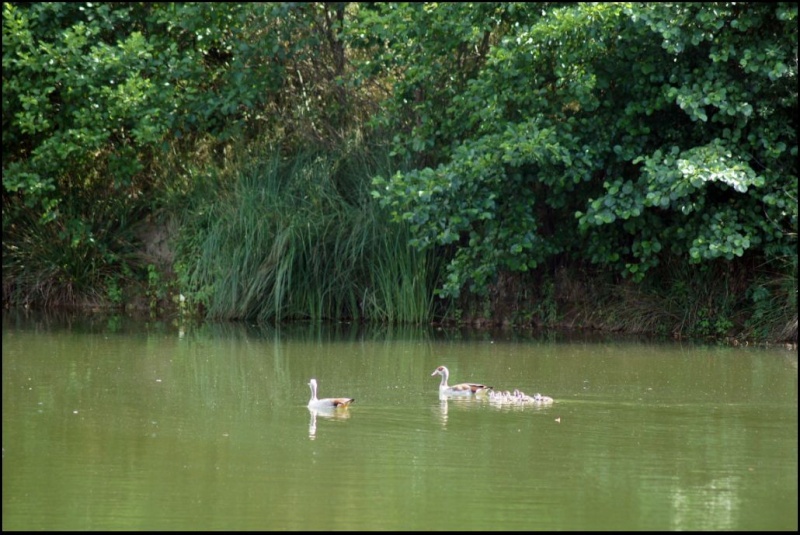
(441,370)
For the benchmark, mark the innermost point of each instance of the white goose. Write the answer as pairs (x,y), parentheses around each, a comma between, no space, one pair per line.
(326,403)
(461,389)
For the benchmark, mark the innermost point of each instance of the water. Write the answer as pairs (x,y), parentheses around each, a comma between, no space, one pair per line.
(113,424)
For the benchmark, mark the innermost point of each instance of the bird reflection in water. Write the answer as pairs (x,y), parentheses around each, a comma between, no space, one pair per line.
(459,402)
(443,409)
(330,414)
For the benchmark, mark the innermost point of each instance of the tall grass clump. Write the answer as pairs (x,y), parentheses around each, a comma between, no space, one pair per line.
(85,257)
(300,237)
(773,304)
(402,280)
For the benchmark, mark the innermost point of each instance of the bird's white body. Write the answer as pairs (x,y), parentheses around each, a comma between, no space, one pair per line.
(326,403)
(460,389)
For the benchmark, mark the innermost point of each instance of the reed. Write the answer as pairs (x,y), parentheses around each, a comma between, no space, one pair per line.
(402,284)
(301,238)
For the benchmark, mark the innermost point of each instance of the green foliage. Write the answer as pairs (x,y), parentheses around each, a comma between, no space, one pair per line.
(71,261)
(773,301)
(298,238)
(426,54)
(94,93)
(620,133)
(157,289)
(97,97)
(114,291)
(533,135)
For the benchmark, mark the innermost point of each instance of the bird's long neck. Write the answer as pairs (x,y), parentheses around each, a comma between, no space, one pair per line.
(443,384)
(313,391)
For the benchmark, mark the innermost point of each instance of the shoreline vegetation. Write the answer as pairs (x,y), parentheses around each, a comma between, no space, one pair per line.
(476,165)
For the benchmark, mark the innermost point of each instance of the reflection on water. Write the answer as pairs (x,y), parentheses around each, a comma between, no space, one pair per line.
(330,414)
(459,403)
(443,410)
(119,425)
(719,510)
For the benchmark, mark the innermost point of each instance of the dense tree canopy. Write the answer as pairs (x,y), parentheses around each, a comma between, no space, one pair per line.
(621,134)
(93,92)
(616,132)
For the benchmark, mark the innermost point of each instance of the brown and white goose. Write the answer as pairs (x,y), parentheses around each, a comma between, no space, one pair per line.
(461,389)
(326,403)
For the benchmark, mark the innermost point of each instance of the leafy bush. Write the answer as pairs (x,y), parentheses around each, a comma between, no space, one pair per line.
(621,133)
